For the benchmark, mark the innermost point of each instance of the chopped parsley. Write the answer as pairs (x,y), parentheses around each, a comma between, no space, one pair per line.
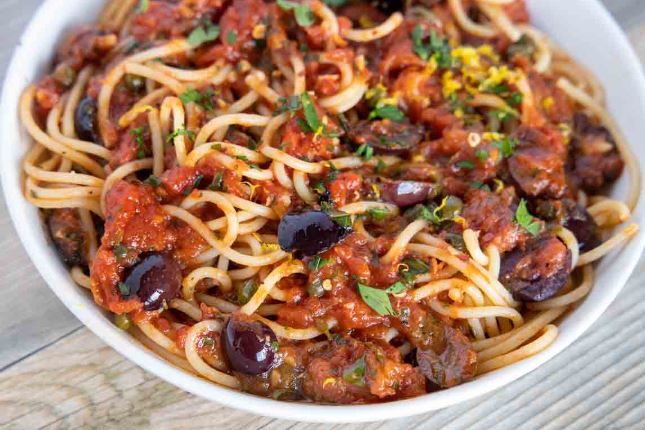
(120,251)
(376,299)
(465,164)
(143,6)
(365,151)
(317,263)
(437,47)
(506,146)
(335,3)
(302,12)
(410,268)
(515,99)
(378,214)
(390,112)
(481,154)
(480,186)
(207,32)
(181,132)
(448,210)
(342,219)
(252,143)
(527,221)
(203,99)
(195,184)
(153,181)
(218,182)
(231,37)
(288,104)
(139,140)
(355,374)
(380,166)
(311,115)
(124,290)
(206,341)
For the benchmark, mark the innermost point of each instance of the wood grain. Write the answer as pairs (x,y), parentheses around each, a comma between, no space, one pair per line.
(54,373)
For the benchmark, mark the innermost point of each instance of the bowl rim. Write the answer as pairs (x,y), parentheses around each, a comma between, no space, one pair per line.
(91,316)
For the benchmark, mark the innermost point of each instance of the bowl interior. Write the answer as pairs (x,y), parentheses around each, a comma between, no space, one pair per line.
(593,38)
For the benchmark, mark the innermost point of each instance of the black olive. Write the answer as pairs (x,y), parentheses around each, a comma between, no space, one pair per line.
(85,120)
(154,279)
(538,271)
(67,232)
(387,137)
(406,193)
(249,346)
(309,233)
(583,227)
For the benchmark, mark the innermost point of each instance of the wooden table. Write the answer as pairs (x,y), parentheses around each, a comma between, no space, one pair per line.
(56,373)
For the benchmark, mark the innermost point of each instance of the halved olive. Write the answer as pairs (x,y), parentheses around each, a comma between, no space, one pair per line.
(406,193)
(154,279)
(310,233)
(85,120)
(249,346)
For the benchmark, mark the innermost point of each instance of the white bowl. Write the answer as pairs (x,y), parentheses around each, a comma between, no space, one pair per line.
(583,27)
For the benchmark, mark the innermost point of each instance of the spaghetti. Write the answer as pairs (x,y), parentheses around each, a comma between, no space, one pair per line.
(328,201)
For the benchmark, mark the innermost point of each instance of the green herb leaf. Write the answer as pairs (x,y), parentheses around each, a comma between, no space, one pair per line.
(139,140)
(231,37)
(480,186)
(506,146)
(317,263)
(195,184)
(419,47)
(124,290)
(203,34)
(465,164)
(526,220)
(342,219)
(304,15)
(380,166)
(365,151)
(206,341)
(515,99)
(311,115)
(143,6)
(397,288)
(376,299)
(246,291)
(288,104)
(202,99)
(120,251)
(335,3)
(181,132)
(218,182)
(355,374)
(378,214)
(190,95)
(437,47)
(481,154)
(153,181)
(410,268)
(390,112)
